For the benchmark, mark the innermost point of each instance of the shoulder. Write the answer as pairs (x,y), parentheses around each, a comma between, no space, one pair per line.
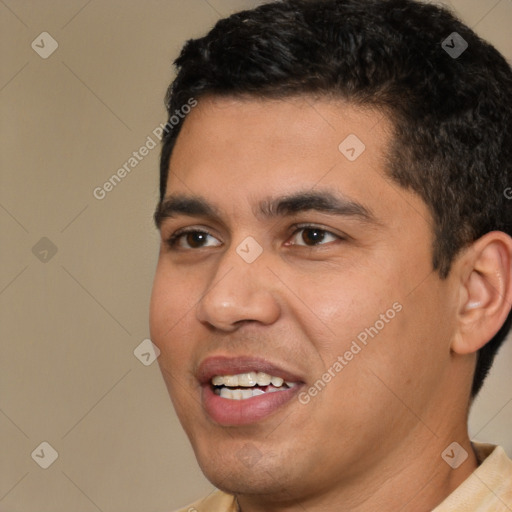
(215,502)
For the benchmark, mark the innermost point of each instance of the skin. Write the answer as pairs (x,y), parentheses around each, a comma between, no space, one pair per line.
(372,438)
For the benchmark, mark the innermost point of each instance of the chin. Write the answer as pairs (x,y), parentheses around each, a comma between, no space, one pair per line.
(243,469)
(247,482)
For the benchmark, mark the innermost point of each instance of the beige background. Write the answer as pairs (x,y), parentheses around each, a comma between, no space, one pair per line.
(69,325)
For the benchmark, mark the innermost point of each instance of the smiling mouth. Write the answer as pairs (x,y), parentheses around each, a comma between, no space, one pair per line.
(243,386)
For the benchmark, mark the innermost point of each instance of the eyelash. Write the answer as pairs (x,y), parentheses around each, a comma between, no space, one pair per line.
(173,240)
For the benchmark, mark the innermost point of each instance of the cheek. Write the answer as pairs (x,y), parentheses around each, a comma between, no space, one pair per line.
(170,312)
(160,307)
(428,333)
(411,355)
(386,327)
(346,305)
(172,303)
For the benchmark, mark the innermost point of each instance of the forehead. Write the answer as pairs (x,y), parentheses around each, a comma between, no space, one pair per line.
(303,123)
(299,137)
(237,152)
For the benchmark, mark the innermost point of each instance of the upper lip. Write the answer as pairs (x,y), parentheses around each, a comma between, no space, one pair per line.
(222,365)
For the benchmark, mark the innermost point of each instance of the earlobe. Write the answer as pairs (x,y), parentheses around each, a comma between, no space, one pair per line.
(486,291)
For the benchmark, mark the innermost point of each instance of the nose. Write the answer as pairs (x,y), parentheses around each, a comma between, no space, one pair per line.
(239,292)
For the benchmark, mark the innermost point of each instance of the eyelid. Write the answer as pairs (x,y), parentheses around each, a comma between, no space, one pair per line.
(172,240)
(298,227)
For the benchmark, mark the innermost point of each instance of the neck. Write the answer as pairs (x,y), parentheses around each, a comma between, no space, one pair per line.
(412,478)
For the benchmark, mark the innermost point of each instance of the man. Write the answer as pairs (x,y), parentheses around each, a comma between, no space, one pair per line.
(335,274)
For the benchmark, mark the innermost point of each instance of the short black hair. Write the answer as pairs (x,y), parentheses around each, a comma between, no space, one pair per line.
(451,112)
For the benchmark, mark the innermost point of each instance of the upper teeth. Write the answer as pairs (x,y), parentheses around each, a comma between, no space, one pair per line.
(249,379)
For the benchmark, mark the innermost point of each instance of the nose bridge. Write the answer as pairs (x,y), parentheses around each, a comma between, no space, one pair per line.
(240,289)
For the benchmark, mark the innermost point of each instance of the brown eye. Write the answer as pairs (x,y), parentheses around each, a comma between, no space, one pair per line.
(311,236)
(193,239)
(196,239)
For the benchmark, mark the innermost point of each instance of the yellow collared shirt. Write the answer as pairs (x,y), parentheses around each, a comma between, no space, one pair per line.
(488,488)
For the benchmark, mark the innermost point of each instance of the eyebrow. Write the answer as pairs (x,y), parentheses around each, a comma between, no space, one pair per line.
(192,206)
(323,202)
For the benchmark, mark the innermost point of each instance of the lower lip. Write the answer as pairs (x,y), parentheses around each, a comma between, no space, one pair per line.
(244,412)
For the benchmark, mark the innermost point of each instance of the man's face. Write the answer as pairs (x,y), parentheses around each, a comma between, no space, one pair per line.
(303,261)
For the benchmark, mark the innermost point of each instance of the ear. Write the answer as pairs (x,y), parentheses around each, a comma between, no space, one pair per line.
(485,293)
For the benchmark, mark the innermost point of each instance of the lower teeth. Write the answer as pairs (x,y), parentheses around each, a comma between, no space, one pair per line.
(245,393)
